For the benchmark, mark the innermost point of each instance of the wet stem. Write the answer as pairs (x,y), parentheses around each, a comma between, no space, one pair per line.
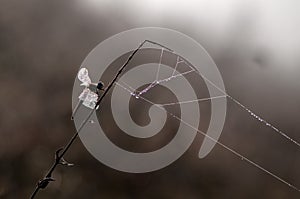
(59,160)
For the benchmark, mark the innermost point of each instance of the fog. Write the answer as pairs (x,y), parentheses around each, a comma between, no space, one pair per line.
(255,45)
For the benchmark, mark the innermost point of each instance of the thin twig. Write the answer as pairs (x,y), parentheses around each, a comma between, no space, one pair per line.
(59,156)
(43,183)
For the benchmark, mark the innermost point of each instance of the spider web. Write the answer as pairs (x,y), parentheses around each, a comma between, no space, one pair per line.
(179,59)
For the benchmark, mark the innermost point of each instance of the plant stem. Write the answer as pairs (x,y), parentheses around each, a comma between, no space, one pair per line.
(58,158)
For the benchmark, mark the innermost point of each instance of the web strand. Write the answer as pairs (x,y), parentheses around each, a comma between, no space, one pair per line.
(178,61)
(254,115)
(240,156)
(225,94)
(196,100)
(157,82)
(158,68)
(250,112)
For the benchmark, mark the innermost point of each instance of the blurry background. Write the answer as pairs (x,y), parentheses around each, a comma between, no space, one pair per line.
(255,45)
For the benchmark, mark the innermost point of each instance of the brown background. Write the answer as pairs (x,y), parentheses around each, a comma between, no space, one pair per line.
(255,45)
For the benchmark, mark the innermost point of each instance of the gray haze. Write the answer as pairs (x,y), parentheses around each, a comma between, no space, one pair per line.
(255,44)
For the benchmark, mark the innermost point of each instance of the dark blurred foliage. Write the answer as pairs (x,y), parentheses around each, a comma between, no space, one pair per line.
(42,44)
